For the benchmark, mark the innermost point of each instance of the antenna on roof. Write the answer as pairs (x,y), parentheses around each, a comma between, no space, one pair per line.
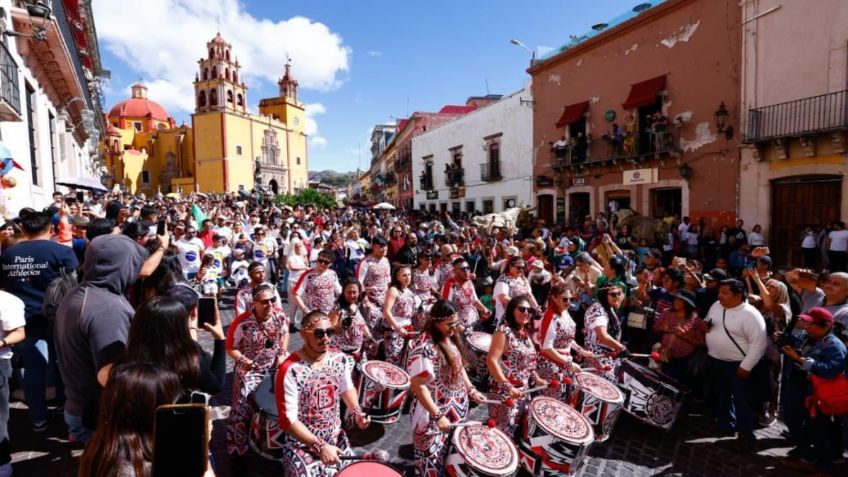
(487,85)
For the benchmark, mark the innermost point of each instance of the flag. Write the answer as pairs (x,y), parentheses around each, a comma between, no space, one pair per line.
(198,214)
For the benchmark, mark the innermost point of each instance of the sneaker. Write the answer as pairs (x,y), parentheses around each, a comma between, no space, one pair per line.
(6,470)
(766,420)
(40,426)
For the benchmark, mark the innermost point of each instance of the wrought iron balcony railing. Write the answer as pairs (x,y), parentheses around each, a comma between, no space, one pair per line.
(426,182)
(490,171)
(815,115)
(10,93)
(455,178)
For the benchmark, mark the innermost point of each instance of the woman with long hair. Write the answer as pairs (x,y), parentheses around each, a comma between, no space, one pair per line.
(423,284)
(160,334)
(602,329)
(122,445)
(296,263)
(512,362)
(398,309)
(557,338)
(441,388)
(351,329)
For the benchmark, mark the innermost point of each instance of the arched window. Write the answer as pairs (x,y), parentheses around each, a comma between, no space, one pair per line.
(227,54)
(235,76)
(239,100)
(272,155)
(201,99)
(229,96)
(213,97)
(211,53)
(214,72)
(205,74)
(227,73)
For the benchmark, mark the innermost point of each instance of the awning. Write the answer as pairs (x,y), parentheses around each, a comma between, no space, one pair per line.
(644,93)
(572,113)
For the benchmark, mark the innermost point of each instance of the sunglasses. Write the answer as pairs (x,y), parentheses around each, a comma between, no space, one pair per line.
(569,299)
(324,261)
(465,269)
(267,301)
(453,324)
(523,309)
(320,333)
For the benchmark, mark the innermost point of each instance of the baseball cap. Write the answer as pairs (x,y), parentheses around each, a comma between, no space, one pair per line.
(717,275)
(566,262)
(817,315)
(686,296)
(114,208)
(512,250)
(537,264)
(765,260)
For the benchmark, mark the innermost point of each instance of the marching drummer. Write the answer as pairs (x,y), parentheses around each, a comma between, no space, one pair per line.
(557,337)
(308,385)
(512,362)
(318,288)
(257,340)
(399,307)
(374,273)
(602,330)
(510,285)
(460,291)
(347,320)
(441,387)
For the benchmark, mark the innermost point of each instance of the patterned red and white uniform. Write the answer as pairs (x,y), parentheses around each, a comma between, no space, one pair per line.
(349,340)
(447,388)
(557,332)
(403,310)
(518,363)
(318,290)
(244,298)
(422,285)
(512,287)
(443,272)
(251,338)
(596,316)
(374,275)
(464,297)
(311,395)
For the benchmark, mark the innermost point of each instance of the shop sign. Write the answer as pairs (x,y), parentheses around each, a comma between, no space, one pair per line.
(579,181)
(640,176)
(432,194)
(544,181)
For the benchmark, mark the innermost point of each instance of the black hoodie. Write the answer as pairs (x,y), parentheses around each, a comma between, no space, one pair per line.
(93,319)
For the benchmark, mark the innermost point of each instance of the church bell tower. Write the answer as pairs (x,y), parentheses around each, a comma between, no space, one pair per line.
(217,84)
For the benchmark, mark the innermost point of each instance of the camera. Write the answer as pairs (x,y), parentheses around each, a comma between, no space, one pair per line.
(787,339)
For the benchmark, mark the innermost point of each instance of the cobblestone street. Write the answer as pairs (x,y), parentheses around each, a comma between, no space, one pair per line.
(691,449)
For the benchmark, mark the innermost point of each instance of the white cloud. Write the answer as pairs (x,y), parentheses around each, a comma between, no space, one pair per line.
(375,53)
(163,39)
(318,141)
(310,126)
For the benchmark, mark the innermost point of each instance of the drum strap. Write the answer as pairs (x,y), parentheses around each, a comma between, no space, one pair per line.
(723,324)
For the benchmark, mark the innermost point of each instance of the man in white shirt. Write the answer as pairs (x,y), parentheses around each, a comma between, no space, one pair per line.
(12,323)
(189,252)
(736,340)
(837,247)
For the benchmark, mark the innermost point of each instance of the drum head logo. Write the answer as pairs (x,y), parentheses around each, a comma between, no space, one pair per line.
(661,409)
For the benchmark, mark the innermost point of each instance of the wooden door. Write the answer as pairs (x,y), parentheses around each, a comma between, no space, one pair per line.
(795,203)
(546,208)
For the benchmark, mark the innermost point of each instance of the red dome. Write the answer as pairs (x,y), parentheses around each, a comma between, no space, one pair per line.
(139,108)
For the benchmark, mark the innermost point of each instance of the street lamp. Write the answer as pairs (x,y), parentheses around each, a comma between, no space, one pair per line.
(721,116)
(522,45)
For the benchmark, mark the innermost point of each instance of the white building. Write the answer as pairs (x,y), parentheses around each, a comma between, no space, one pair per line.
(50,112)
(481,161)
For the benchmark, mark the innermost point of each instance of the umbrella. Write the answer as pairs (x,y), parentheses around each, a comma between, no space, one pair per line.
(384,206)
(173,195)
(87,183)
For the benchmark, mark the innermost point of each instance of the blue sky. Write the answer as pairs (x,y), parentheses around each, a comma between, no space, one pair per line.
(359,62)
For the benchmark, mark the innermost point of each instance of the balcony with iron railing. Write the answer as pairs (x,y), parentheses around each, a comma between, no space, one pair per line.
(391,178)
(490,171)
(820,114)
(426,182)
(10,93)
(455,177)
(404,160)
(654,143)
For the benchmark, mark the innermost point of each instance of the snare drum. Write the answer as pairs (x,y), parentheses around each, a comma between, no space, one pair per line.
(266,437)
(555,438)
(477,450)
(368,469)
(653,398)
(479,344)
(383,388)
(599,400)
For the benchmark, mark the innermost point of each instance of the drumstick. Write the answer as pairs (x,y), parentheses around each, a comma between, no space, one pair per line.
(654,356)
(554,384)
(379,456)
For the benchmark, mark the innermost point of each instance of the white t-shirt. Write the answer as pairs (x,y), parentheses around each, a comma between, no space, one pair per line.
(756,240)
(190,253)
(839,241)
(11,317)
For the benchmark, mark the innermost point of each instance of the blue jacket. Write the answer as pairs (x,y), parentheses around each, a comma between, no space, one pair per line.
(826,358)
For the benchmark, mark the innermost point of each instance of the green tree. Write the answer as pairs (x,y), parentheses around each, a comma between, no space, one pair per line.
(322,200)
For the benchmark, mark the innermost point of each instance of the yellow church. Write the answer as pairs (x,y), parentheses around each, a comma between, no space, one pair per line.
(146,152)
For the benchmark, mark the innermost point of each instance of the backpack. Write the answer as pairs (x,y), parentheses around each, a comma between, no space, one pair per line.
(56,290)
(830,396)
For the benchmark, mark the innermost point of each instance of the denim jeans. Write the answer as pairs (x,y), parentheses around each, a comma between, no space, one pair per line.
(5,448)
(38,358)
(731,398)
(77,430)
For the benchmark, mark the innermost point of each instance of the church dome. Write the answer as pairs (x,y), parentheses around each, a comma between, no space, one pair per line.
(138,106)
